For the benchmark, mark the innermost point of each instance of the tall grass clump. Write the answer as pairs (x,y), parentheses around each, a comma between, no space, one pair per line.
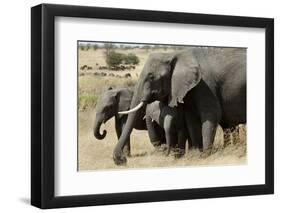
(87,101)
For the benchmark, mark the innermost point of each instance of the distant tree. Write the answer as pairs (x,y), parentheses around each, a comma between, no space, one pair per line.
(82,47)
(95,47)
(88,46)
(156,46)
(178,47)
(108,48)
(127,47)
(146,48)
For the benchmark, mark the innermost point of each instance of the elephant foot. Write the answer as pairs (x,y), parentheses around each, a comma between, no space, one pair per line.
(119,158)
(216,149)
(160,148)
(167,152)
(206,153)
(156,143)
(178,153)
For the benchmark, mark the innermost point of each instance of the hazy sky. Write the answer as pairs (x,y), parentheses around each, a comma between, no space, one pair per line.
(115,43)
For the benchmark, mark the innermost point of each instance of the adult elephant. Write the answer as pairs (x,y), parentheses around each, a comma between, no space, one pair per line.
(210,82)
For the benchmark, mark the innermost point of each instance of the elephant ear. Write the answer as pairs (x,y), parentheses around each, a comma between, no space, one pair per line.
(124,98)
(186,75)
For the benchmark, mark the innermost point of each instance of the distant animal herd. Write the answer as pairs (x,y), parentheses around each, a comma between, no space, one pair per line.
(118,67)
(113,68)
(106,68)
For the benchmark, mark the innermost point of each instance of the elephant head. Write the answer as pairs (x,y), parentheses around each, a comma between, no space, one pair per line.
(108,105)
(165,77)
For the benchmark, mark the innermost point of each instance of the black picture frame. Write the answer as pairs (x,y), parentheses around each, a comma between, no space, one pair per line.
(43,102)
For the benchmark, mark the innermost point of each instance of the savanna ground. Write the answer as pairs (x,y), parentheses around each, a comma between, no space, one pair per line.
(97,154)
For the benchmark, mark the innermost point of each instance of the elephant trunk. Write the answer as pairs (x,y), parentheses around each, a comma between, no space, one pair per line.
(137,103)
(97,131)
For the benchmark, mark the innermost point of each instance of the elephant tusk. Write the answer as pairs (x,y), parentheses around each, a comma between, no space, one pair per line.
(132,110)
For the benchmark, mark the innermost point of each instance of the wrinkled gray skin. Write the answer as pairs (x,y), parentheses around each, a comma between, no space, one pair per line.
(171,120)
(209,82)
(108,105)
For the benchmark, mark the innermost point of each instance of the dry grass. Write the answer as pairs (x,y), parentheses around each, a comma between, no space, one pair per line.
(95,154)
(90,87)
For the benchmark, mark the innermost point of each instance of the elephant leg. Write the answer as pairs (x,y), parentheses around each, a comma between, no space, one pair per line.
(194,130)
(209,111)
(189,142)
(119,126)
(160,132)
(208,132)
(153,132)
(182,139)
(169,138)
(180,151)
(171,133)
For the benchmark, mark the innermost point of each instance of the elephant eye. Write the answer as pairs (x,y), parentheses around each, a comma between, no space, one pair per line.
(106,108)
(150,76)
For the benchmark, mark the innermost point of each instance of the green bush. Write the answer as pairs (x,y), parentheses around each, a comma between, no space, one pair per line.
(131,59)
(114,59)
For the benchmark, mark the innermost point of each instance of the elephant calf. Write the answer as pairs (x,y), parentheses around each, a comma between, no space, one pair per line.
(109,104)
(172,120)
